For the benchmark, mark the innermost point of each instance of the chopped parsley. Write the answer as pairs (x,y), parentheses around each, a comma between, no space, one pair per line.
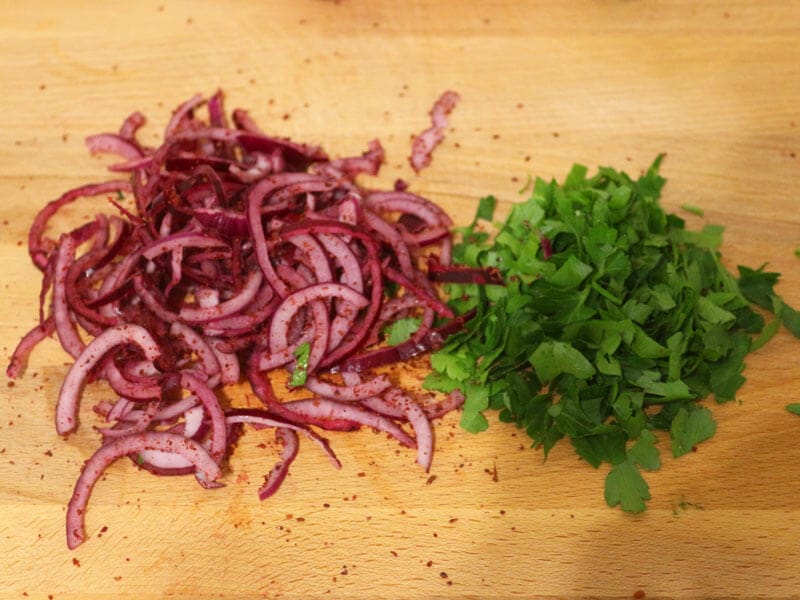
(400,330)
(615,321)
(691,208)
(300,372)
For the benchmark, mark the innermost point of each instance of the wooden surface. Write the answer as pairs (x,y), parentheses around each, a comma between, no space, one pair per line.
(545,84)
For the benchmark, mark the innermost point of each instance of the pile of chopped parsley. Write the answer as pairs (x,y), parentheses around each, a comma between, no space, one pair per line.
(614,321)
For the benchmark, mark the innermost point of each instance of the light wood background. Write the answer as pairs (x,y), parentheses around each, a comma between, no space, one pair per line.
(715,85)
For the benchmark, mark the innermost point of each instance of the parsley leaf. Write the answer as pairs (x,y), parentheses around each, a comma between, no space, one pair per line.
(690,426)
(624,483)
(626,486)
(695,210)
(614,321)
(486,208)
(401,329)
(300,372)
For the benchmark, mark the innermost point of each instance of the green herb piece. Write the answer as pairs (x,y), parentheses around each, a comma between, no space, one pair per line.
(691,208)
(794,408)
(615,321)
(690,426)
(399,331)
(626,486)
(120,195)
(624,483)
(300,372)
(486,208)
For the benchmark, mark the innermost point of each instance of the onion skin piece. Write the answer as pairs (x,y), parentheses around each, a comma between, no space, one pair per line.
(67,406)
(206,468)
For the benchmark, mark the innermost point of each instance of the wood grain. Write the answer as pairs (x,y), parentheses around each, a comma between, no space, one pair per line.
(544,85)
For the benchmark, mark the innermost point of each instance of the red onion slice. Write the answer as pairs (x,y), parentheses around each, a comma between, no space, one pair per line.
(273,481)
(422,428)
(39,247)
(207,470)
(262,419)
(227,308)
(213,409)
(113,143)
(320,408)
(349,393)
(423,145)
(67,333)
(67,406)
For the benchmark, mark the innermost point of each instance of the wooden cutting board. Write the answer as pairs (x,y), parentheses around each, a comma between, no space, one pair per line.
(543,85)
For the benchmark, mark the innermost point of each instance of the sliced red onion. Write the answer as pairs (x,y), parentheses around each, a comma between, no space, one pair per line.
(423,145)
(413,288)
(26,345)
(132,389)
(299,156)
(256,197)
(279,327)
(216,110)
(406,202)
(227,308)
(273,481)
(349,393)
(227,223)
(136,425)
(393,237)
(67,406)
(176,409)
(201,348)
(418,420)
(207,470)
(433,340)
(321,408)
(454,400)
(120,410)
(180,241)
(263,389)
(230,370)
(67,333)
(113,143)
(213,409)
(367,164)
(39,248)
(241,247)
(459,274)
(261,419)
(181,113)
(131,125)
(319,262)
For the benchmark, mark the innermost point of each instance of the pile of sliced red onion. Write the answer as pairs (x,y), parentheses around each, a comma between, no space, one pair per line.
(244,254)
